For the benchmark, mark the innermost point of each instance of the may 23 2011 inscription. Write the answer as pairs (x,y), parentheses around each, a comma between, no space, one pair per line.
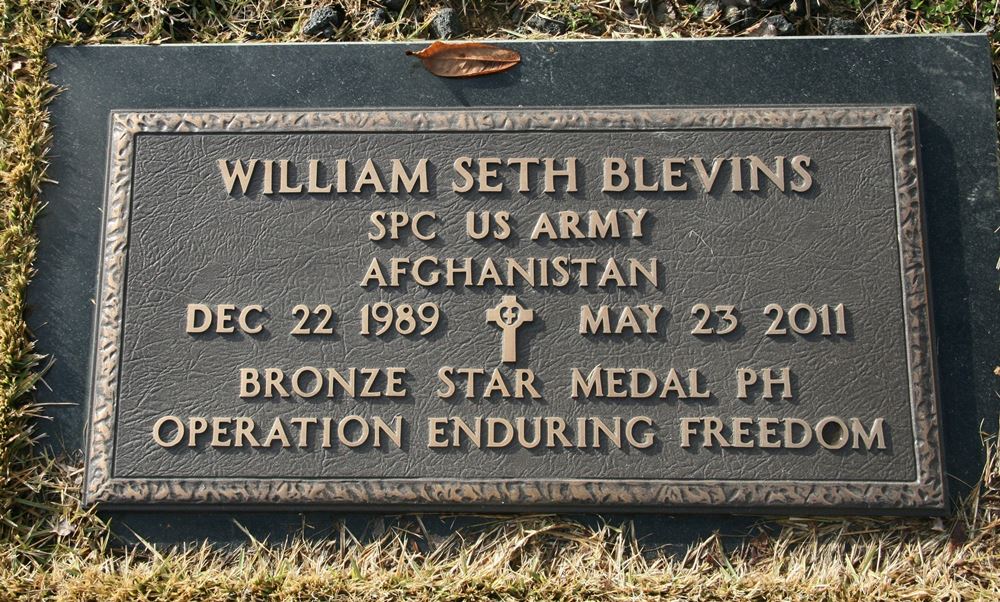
(647,308)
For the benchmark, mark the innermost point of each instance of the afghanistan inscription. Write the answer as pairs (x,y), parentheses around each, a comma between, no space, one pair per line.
(597,308)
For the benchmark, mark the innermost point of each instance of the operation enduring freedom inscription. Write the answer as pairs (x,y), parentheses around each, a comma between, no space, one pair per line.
(579,308)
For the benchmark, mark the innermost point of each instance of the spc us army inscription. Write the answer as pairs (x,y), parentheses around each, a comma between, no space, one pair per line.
(653,308)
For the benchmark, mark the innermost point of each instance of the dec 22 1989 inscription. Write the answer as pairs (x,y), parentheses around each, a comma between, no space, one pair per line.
(598,308)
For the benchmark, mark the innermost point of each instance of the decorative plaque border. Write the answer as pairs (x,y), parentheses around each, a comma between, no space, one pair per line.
(924,494)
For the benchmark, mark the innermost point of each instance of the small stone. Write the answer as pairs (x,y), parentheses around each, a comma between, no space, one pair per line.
(629,10)
(446,24)
(843,27)
(662,11)
(394,5)
(737,3)
(772,4)
(645,6)
(738,18)
(709,10)
(546,25)
(775,25)
(378,17)
(324,21)
(782,25)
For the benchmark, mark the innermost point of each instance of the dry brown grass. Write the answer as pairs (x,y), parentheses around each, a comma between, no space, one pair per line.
(52,549)
(546,558)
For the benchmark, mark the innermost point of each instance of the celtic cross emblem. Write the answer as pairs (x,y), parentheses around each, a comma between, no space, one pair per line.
(509,315)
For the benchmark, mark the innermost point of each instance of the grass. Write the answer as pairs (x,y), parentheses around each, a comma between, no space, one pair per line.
(51,548)
(546,558)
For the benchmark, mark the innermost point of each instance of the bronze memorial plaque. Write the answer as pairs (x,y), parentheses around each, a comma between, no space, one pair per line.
(624,308)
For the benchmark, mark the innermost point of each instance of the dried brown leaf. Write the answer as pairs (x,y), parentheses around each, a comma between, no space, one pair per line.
(466,59)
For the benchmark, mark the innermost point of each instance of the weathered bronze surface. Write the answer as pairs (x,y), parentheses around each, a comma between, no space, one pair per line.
(827,256)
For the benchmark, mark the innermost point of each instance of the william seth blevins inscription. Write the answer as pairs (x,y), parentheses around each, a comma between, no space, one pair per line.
(646,307)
